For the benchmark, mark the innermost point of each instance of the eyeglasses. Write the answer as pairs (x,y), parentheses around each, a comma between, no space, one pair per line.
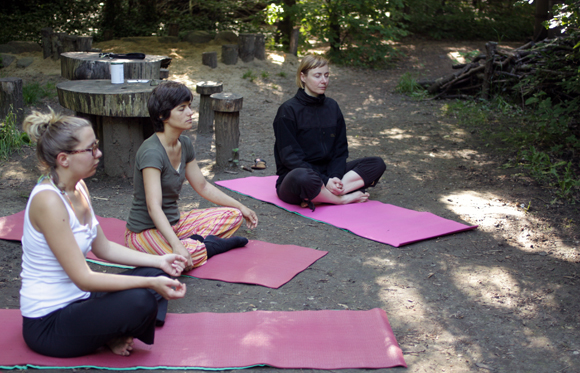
(94,149)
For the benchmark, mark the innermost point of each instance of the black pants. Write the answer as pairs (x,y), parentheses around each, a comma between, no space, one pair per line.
(304,184)
(86,325)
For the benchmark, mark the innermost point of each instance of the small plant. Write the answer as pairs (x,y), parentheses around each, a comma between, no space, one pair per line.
(249,75)
(408,85)
(282,74)
(34,92)
(10,137)
(265,75)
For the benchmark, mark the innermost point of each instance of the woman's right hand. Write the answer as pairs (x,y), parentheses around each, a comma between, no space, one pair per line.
(181,250)
(169,288)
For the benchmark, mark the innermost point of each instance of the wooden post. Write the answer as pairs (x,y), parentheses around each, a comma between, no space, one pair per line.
(46,33)
(488,72)
(163,74)
(56,41)
(84,43)
(206,89)
(173,29)
(294,41)
(69,43)
(260,47)
(11,99)
(247,45)
(230,54)
(209,59)
(227,108)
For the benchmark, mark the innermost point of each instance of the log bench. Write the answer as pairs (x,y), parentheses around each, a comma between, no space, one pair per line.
(119,116)
(88,65)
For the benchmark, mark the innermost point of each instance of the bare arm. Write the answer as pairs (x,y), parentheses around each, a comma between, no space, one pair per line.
(153,198)
(50,217)
(211,193)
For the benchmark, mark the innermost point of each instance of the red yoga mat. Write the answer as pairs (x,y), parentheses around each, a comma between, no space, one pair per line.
(374,220)
(293,340)
(258,263)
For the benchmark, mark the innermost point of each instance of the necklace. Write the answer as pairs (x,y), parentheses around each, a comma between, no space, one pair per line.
(62,191)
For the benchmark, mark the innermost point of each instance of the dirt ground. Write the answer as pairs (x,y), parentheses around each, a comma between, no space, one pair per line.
(501,298)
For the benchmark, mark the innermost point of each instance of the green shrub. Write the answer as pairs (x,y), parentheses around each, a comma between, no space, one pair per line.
(34,92)
(10,137)
(408,85)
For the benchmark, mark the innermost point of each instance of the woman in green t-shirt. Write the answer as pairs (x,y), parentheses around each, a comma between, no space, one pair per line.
(162,164)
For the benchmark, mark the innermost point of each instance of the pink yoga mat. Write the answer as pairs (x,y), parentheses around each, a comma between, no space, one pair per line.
(374,220)
(11,228)
(293,340)
(258,263)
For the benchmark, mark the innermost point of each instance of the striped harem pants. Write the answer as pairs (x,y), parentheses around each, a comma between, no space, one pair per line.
(218,221)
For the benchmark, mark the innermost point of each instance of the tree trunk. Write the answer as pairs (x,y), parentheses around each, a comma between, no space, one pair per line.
(260,47)
(56,42)
(173,29)
(11,99)
(69,43)
(46,33)
(206,114)
(542,14)
(247,45)
(209,59)
(230,54)
(294,41)
(227,108)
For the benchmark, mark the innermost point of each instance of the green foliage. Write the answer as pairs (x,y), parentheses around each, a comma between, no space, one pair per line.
(249,75)
(282,74)
(10,137)
(34,92)
(469,20)
(265,75)
(544,140)
(23,20)
(360,32)
(408,85)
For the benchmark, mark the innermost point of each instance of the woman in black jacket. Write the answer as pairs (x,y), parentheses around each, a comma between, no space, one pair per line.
(311,146)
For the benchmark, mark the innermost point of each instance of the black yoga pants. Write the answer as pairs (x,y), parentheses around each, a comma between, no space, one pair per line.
(304,184)
(86,325)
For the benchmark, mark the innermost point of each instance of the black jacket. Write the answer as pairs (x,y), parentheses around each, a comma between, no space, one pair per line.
(310,133)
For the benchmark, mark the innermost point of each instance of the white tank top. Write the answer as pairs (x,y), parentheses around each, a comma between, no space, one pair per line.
(45,285)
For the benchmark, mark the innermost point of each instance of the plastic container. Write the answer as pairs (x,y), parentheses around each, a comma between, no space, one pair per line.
(117,75)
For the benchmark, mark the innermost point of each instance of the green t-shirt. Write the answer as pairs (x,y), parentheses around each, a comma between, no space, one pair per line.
(152,154)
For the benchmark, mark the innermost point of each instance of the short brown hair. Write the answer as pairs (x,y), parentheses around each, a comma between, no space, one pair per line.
(308,63)
(164,98)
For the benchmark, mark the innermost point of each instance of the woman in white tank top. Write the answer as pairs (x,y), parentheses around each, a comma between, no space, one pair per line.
(59,290)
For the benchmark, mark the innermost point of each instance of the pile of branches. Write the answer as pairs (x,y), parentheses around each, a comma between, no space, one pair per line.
(548,62)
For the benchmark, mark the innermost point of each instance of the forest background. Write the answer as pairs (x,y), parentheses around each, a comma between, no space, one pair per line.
(533,119)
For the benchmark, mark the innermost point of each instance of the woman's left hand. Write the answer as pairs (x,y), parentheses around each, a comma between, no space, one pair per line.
(173,264)
(250,216)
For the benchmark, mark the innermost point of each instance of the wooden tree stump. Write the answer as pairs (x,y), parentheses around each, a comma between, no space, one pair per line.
(247,46)
(230,54)
(88,65)
(119,116)
(260,47)
(227,108)
(206,116)
(46,34)
(488,71)
(56,41)
(163,73)
(209,59)
(69,43)
(173,29)
(11,99)
(84,44)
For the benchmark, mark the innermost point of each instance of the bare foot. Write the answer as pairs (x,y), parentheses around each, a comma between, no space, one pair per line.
(303,204)
(355,197)
(121,346)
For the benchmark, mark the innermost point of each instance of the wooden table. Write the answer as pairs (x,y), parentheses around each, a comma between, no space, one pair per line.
(88,65)
(119,116)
